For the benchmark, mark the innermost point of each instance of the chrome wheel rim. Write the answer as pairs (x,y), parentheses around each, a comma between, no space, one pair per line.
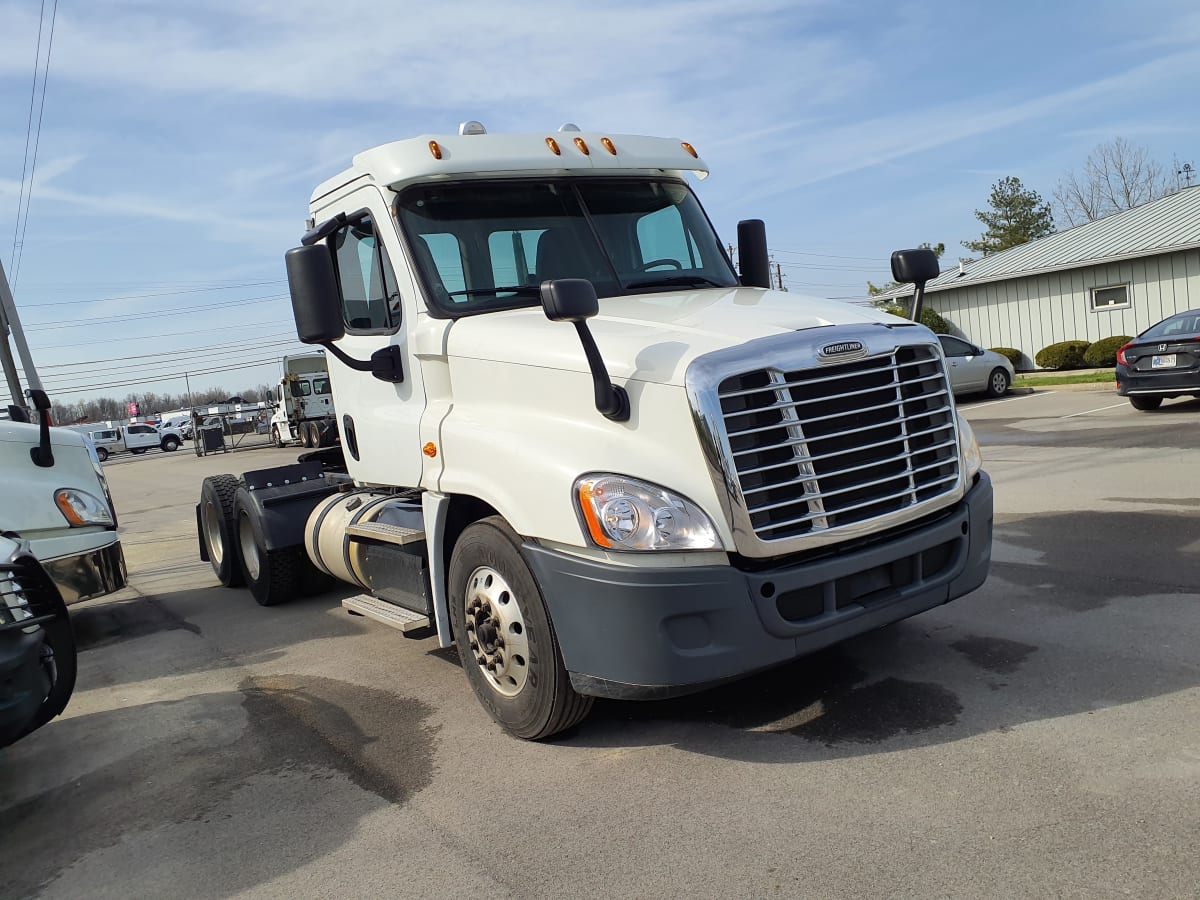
(999,383)
(212,533)
(496,633)
(249,548)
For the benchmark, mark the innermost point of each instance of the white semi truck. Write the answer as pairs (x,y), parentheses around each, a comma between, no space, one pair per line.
(58,540)
(304,413)
(578,444)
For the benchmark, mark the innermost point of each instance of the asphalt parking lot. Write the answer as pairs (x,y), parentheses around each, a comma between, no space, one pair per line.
(1040,737)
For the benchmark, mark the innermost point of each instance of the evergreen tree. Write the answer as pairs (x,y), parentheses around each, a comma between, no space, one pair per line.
(1017,215)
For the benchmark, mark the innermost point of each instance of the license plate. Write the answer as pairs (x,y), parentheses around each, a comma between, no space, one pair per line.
(1163,362)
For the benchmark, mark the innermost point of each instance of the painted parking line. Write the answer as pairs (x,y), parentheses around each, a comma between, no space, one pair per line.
(1006,400)
(1089,411)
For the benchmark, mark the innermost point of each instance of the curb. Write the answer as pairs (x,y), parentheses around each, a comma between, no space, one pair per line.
(1098,387)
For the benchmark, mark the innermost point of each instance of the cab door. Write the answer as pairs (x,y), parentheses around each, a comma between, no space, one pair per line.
(379,421)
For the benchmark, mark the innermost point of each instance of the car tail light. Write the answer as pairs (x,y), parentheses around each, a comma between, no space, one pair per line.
(1121,360)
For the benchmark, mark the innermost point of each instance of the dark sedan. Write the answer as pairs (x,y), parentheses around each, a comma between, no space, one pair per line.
(1162,362)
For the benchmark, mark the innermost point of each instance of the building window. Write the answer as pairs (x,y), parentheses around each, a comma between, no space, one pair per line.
(1114,297)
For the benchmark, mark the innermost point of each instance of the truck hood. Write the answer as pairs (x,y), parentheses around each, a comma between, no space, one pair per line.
(651,337)
(27,491)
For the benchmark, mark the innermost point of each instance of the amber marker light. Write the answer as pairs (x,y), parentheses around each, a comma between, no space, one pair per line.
(436,150)
(64,505)
(608,145)
(553,145)
(691,151)
(430,450)
(586,495)
(583,147)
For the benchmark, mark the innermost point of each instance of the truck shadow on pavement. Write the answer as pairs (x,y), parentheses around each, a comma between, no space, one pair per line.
(1072,619)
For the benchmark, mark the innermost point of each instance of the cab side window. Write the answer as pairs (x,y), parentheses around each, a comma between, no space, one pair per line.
(369,295)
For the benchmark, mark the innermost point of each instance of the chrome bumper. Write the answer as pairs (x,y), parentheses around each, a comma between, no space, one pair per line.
(89,574)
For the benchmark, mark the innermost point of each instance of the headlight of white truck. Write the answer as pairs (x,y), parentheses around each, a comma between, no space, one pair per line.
(622,513)
(972,459)
(81,508)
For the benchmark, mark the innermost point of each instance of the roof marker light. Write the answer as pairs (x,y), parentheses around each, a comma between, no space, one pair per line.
(608,145)
(569,126)
(583,147)
(472,127)
(553,145)
(691,151)
(435,149)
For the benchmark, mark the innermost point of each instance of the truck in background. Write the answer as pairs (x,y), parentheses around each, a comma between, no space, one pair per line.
(580,446)
(304,413)
(136,438)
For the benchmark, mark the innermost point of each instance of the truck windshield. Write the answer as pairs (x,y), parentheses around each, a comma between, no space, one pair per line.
(488,245)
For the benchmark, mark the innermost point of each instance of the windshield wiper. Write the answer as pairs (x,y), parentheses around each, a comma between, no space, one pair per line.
(675,281)
(525,290)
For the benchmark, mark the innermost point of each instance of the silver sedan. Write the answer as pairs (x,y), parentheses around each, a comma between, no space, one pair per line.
(974,370)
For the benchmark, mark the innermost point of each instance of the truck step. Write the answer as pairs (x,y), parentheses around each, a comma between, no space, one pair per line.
(388,534)
(389,614)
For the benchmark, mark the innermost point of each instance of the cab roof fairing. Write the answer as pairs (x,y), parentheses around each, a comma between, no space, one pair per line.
(513,154)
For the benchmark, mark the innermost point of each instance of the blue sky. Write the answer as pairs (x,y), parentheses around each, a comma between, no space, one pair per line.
(179,143)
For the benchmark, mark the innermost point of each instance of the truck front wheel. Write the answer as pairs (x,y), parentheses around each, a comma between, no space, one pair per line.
(505,639)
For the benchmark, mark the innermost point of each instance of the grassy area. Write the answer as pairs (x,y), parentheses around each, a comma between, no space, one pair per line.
(1050,380)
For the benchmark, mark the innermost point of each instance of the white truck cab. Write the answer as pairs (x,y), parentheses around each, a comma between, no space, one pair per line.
(581,446)
(53,493)
(304,401)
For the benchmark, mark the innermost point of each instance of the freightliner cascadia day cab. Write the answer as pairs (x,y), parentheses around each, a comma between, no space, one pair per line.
(304,412)
(577,444)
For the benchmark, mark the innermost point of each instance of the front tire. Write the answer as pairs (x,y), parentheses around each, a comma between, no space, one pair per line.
(1145,404)
(170,444)
(505,638)
(218,494)
(275,438)
(998,383)
(101,454)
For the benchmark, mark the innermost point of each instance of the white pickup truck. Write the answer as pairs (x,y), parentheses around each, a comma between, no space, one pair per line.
(136,438)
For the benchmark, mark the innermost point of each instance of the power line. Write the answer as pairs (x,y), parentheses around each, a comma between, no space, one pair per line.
(875,259)
(127,317)
(150,379)
(162,334)
(18,248)
(228,287)
(203,359)
(229,345)
(37,57)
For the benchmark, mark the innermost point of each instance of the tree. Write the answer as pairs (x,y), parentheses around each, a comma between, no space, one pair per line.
(1117,175)
(875,290)
(1017,215)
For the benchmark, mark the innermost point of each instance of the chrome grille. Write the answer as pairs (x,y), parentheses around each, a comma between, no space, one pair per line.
(822,448)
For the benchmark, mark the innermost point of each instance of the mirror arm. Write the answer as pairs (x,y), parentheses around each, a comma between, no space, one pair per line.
(42,455)
(918,300)
(611,400)
(386,364)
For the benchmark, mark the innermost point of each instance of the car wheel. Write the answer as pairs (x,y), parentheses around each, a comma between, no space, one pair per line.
(998,383)
(505,639)
(275,438)
(170,444)
(101,453)
(137,450)
(1145,404)
(217,527)
(273,576)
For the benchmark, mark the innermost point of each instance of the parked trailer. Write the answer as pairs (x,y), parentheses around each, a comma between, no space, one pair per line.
(700,478)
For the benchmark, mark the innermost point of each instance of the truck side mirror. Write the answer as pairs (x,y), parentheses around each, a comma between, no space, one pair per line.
(752,253)
(314,290)
(915,267)
(569,299)
(574,300)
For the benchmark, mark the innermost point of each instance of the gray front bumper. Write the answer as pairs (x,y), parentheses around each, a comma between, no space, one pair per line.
(88,575)
(644,633)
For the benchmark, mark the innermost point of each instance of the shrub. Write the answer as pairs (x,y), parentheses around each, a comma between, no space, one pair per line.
(931,320)
(929,317)
(1103,353)
(1063,355)
(1014,356)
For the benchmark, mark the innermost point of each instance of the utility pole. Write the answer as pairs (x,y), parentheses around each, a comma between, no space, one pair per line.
(779,278)
(187,381)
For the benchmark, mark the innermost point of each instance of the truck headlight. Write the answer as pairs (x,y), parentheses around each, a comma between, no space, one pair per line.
(81,508)
(972,459)
(627,514)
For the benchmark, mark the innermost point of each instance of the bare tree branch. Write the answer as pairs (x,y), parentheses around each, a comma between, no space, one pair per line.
(1117,175)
